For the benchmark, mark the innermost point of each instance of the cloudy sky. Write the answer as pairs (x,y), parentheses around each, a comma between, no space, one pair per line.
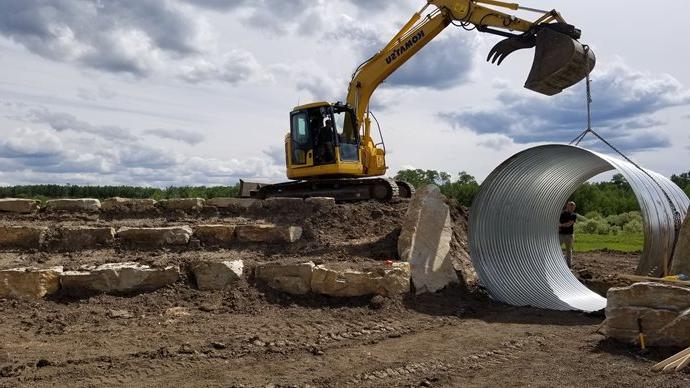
(173,92)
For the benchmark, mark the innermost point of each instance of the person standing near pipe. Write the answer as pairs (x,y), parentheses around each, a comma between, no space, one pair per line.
(566,230)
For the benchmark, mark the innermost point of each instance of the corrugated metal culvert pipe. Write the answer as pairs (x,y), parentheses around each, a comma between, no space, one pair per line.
(514,218)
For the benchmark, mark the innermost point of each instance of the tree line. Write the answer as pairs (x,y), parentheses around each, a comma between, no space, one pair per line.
(102,192)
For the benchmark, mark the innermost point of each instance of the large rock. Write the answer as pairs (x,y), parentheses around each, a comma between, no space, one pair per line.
(18,205)
(217,275)
(652,295)
(118,278)
(215,235)
(268,233)
(386,281)
(284,205)
(155,237)
(681,256)
(424,241)
(291,278)
(83,237)
(128,205)
(29,283)
(234,205)
(664,311)
(186,204)
(88,205)
(23,237)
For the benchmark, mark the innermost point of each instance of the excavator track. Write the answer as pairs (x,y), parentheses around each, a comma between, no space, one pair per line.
(343,190)
(405,189)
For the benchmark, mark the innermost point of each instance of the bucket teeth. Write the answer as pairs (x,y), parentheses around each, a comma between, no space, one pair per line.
(509,45)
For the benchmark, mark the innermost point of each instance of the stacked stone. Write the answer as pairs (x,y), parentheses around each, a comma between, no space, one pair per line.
(663,311)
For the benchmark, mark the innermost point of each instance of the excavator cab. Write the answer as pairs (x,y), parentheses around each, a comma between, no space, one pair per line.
(322,138)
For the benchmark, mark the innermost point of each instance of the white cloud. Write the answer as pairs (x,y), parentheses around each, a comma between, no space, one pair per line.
(137,37)
(60,148)
(66,122)
(185,136)
(495,142)
(233,67)
(30,143)
(272,16)
(624,99)
(129,36)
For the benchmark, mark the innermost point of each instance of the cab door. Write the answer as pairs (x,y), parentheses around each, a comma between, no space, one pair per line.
(301,144)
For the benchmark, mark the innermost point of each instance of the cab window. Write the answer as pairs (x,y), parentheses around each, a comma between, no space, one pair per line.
(348,136)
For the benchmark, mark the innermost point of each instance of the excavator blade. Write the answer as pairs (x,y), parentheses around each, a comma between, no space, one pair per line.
(559,62)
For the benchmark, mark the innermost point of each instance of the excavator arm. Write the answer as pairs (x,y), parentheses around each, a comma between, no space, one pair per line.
(560,61)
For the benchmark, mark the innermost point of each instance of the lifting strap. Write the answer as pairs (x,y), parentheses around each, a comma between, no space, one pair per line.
(677,222)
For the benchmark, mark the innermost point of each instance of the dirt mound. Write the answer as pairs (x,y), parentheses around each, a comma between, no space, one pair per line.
(349,233)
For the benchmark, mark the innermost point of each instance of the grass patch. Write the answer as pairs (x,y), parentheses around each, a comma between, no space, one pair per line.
(599,242)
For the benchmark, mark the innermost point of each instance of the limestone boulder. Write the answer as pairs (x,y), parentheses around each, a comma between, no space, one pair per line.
(19,205)
(128,205)
(681,256)
(155,237)
(185,204)
(663,310)
(234,205)
(649,294)
(217,275)
(320,203)
(396,280)
(284,205)
(22,237)
(86,205)
(117,278)
(424,241)
(83,237)
(215,235)
(268,233)
(29,283)
(677,332)
(386,281)
(290,278)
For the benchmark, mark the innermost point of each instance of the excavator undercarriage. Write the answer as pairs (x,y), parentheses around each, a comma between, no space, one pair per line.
(342,189)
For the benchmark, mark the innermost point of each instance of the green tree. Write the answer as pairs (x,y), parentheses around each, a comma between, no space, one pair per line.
(465,178)
(419,178)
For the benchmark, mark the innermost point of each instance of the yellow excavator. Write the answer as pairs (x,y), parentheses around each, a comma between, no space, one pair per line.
(330,150)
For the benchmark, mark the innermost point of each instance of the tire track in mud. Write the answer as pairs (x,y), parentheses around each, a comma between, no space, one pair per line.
(412,372)
(264,344)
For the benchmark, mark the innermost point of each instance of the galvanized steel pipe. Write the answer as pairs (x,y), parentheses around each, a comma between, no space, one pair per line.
(513,225)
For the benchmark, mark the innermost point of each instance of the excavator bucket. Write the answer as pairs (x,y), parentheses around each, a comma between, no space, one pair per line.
(559,62)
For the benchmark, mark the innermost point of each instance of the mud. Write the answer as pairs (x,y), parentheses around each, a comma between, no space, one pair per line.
(250,335)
